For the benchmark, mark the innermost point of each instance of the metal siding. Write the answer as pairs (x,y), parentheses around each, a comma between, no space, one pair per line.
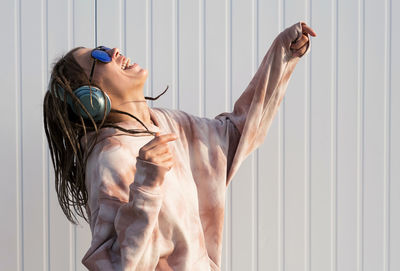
(374,130)
(10,166)
(321,193)
(189,51)
(243,232)
(163,70)
(137,30)
(33,152)
(269,166)
(295,108)
(321,136)
(349,182)
(393,248)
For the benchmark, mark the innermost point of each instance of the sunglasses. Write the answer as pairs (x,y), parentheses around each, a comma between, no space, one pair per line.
(99,54)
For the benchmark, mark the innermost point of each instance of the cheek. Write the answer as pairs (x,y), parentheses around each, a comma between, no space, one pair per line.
(105,75)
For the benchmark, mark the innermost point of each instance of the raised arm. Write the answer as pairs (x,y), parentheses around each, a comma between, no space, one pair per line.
(256,107)
(218,146)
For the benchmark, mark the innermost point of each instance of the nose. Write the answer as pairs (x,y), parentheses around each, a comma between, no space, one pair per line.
(114,52)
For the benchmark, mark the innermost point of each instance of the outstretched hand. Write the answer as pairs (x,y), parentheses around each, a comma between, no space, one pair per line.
(299,46)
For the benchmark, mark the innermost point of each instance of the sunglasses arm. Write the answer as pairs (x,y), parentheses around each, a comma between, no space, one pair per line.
(92,70)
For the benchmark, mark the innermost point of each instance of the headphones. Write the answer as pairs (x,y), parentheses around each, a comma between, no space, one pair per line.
(92,98)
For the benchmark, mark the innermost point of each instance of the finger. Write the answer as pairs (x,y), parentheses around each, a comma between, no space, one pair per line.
(165,138)
(169,163)
(159,150)
(161,159)
(154,152)
(160,139)
(166,159)
(308,30)
(300,51)
(299,43)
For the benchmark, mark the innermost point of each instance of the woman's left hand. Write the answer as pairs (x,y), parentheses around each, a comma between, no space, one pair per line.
(299,47)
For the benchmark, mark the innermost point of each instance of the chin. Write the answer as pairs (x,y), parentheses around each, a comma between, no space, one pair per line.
(142,77)
(144,72)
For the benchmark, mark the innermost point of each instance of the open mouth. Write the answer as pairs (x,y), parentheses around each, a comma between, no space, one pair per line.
(126,64)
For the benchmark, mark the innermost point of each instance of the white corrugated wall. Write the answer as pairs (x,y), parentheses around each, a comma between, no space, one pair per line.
(322,192)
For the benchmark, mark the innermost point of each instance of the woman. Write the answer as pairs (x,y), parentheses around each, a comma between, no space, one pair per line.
(153,181)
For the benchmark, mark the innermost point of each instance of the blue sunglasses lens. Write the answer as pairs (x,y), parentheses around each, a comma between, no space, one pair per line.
(101,54)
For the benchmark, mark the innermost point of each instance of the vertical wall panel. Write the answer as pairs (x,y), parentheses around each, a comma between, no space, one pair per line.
(34,160)
(269,246)
(321,135)
(374,135)
(190,56)
(296,178)
(109,24)
(216,63)
(84,24)
(243,197)
(163,67)
(137,24)
(394,134)
(349,189)
(10,166)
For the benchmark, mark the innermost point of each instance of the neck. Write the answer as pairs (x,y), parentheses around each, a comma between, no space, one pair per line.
(136,107)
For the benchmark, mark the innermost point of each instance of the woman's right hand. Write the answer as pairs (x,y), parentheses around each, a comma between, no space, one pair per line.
(158,152)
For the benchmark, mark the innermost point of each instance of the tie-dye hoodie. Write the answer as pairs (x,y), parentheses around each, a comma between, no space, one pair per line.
(179,226)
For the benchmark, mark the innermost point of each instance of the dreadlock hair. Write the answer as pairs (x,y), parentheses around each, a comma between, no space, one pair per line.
(65,130)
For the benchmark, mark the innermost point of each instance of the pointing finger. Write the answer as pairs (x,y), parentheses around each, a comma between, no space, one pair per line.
(308,30)
(167,137)
(159,139)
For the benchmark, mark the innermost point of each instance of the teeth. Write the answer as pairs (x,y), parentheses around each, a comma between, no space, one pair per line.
(126,64)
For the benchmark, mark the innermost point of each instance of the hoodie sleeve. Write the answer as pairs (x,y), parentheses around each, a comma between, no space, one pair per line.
(125,224)
(255,109)
(221,144)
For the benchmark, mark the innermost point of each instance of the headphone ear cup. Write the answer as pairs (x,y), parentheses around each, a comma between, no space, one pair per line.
(60,94)
(94,100)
